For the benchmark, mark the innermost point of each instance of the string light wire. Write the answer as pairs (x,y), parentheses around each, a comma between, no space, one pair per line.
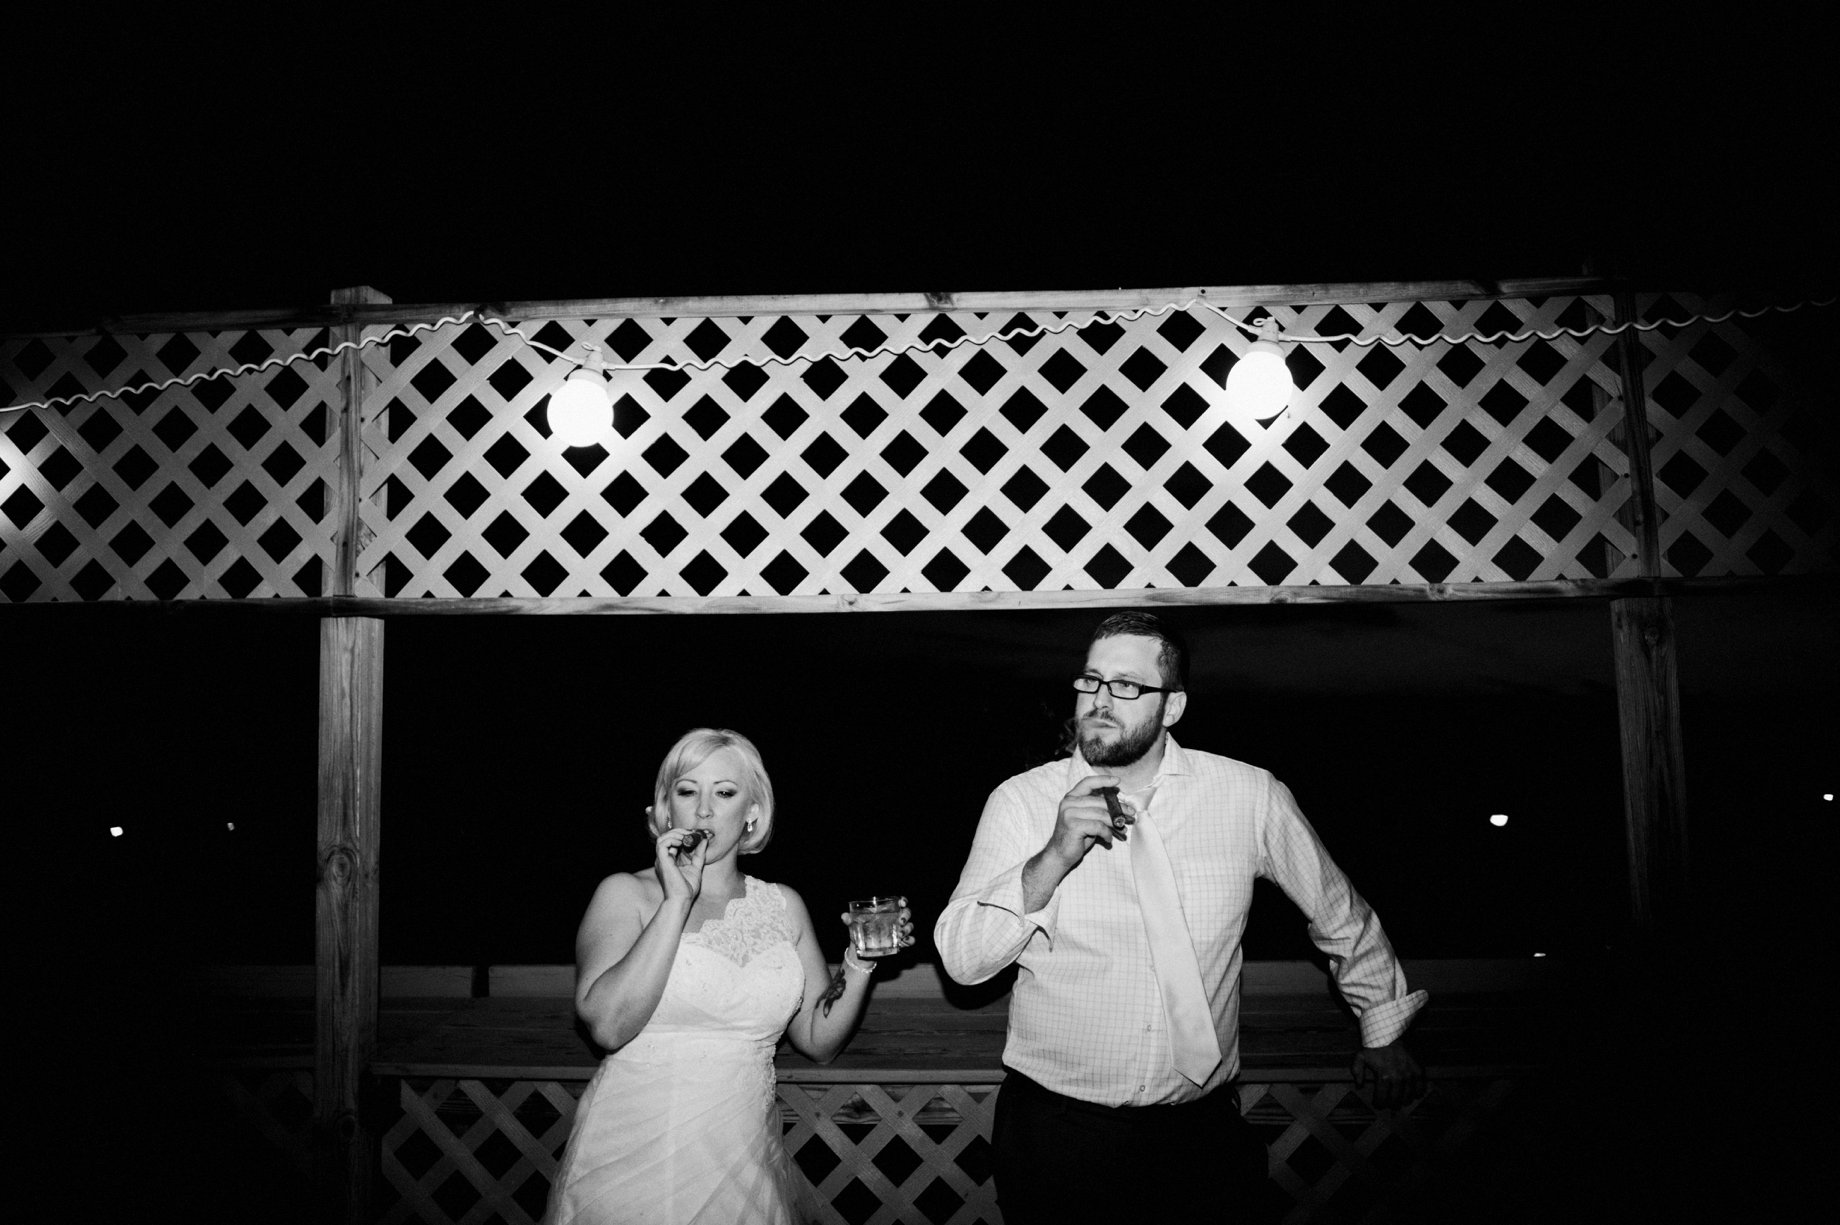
(1607,329)
(1394,339)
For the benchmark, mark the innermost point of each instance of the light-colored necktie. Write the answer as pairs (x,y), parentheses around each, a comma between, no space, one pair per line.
(1178,973)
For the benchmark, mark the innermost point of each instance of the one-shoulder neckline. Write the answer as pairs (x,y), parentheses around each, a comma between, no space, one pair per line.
(728,907)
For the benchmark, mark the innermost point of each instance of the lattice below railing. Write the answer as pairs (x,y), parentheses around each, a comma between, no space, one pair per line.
(1093,457)
(464,1150)
(275,1104)
(1334,1157)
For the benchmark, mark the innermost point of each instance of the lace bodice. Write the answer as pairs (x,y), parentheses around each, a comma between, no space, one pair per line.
(749,925)
(738,976)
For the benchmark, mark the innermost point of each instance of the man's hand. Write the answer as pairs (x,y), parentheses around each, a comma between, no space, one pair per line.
(1391,1073)
(1083,819)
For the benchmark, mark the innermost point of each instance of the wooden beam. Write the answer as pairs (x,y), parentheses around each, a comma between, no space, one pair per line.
(946,601)
(989,601)
(1227,297)
(345,921)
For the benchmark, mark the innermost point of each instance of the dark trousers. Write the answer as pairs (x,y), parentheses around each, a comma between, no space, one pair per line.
(1061,1160)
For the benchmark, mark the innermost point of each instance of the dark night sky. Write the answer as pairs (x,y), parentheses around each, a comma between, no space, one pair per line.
(161,163)
(158,164)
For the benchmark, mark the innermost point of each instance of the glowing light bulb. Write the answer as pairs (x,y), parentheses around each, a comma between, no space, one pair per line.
(1259,385)
(581,411)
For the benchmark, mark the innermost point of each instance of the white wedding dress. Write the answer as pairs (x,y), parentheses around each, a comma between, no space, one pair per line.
(681,1124)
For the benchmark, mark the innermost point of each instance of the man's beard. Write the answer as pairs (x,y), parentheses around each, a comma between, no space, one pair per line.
(1131,744)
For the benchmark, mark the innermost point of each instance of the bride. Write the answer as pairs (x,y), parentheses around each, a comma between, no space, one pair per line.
(688,973)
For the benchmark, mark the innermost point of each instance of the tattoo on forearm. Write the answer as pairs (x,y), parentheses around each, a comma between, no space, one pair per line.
(832,994)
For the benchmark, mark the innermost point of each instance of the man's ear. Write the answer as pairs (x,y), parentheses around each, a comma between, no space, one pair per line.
(1173,708)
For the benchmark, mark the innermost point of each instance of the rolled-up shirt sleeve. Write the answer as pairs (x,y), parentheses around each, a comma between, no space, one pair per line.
(1342,924)
(984,927)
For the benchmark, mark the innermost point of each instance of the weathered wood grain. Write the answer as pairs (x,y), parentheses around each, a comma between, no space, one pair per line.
(346,912)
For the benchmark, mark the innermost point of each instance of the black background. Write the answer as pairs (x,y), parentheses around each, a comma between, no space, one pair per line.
(207,159)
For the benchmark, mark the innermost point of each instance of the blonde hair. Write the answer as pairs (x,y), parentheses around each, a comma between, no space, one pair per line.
(694,748)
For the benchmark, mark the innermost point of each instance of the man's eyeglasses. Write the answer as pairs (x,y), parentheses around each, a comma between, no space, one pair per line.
(1124,691)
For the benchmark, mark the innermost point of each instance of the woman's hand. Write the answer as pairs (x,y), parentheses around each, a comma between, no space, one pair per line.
(903,927)
(680,854)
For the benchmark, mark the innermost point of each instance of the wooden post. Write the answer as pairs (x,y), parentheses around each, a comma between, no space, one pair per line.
(348,440)
(1654,760)
(1648,681)
(1645,519)
(1594,474)
(350,820)
(346,987)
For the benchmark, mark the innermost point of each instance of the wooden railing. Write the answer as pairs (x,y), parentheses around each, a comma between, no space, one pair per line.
(475,1084)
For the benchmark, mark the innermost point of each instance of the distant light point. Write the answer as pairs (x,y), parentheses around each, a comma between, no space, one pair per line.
(1539,954)
(1828,796)
(115,831)
(1498,820)
(229,824)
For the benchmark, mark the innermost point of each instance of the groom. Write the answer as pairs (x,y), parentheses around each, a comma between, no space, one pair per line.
(1124,1023)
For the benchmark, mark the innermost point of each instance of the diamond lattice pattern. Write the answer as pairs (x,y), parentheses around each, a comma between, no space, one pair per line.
(1746,458)
(1095,455)
(214,490)
(468,1150)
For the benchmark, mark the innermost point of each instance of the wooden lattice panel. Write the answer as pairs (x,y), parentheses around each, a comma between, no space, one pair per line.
(478,1150)
(218,489)
(1335,1157)
(1744,451)
(1078,452)
(474,1150)
(277,1105)
(887,1154)
(1097,456)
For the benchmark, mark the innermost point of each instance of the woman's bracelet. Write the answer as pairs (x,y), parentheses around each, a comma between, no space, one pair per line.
(850,962)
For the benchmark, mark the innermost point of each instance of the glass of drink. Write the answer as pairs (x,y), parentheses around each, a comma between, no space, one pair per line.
(873,924)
